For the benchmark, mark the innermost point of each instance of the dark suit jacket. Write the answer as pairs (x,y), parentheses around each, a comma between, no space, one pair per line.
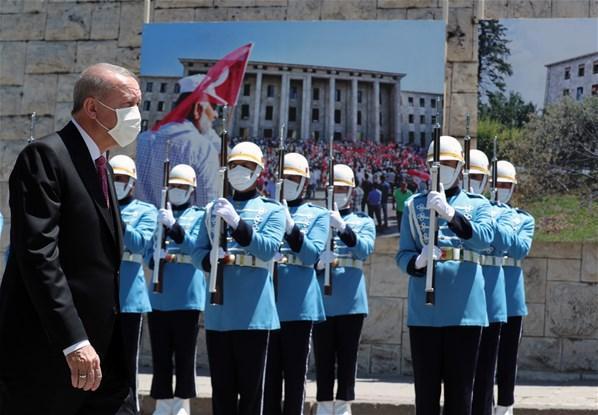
(60,285)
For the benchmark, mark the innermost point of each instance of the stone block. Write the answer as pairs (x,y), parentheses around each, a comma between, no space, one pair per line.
(555,250)
(385,359)
(572,310)
(17,128)
(348,9)
(9,151)
(271,3)
(172,15)
(386,279)
(256,13)
(304,10)
(589,262)
(105,18)
(496,9)
(461,105)
(406,361)
(564,269)
(429,13)
(383,324)
(68,21)
(363,360)
(128,58)
(210,15)
(22,26)
(34,6)
(461,36)
(391,14)
(530,8)
(464,77)
(594,8)
(533,324)
(63,114)
(10,100)
(403,4)
(92,52)
(234,3)
(176,4)
(12,64)
(571,9)
(39,94)
(580,355)
(539,354)
(11,6)
(131,24)
(534,274)
(66,83)
(50,57)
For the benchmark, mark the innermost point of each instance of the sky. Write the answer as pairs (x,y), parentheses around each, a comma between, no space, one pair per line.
(415,48)
(537,42)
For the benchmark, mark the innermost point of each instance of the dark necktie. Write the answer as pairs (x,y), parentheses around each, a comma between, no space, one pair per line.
(103,177)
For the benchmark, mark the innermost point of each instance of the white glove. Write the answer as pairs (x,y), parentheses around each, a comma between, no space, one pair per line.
(437,201)
(326,257)
(162,253)
(422,259)
(278,257)
(336,221)
(165,216)
(224,209)
(221,253)
(290,223)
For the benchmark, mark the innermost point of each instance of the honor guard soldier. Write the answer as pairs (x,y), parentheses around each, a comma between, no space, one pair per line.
(445,336)
(494,286)
(138,224)
(523,225)
(174,320)
(299,297)
(237,330)
(336,340)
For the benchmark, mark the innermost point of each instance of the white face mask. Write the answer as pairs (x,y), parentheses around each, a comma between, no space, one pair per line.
(123,189)
(342,199)
(178,196)
(292,190)
(128,124)
(448,176)
(241,178)
(504,195)
(478,186)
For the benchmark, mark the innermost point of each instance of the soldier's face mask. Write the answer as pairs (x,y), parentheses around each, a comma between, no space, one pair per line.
(123,189)
(178,196)
(449,175)
(128,124)
(343,199)
(292,190)
(504,195)
(478,186)
(242,178)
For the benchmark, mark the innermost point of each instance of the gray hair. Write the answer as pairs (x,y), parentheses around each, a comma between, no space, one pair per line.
(93,83)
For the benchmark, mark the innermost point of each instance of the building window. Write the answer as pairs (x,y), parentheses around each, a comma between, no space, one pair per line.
(173,105)
(433,103)
(292,114)
(293,93)
(410,100)
(316,135)
(244,112)
(149,87)
(337,116)
(246,90)
(291,133)
(579,93)
(581,70)
(422,119)
(595,67)
(422,102)
(338,95)
(410,118)
(143,125)
(315,114)
(270,91)
(177,88)
(267,132)
(568,72)
(565,92)
(160,105)
(147,105)
(269,111)
(358,117)
(411,137)
(163,87)
(316,94)
(337,136)
(243,132)
(433,119)
(422,139)
(594,89)
(380,119)
(359,96)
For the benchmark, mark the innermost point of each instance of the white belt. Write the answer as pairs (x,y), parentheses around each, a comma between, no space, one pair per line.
(130,257)
(512,262)
(294,260)
(496,261)
(249,261)
(180,259)
(456,254)
(349,263)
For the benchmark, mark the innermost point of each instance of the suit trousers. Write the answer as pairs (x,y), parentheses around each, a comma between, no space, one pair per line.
(506,370)
(483,388)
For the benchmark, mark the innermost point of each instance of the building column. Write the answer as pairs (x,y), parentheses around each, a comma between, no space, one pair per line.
(255,126)
(331,101)
(397,112)
(354,89)
(283,115)
(306,108)
(377,111)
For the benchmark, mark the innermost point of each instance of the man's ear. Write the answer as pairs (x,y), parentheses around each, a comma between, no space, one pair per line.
(197,109)
(90,107)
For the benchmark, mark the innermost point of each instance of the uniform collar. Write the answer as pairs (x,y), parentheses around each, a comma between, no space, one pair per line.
(346,211)
(240,196)
(92,147)
(126,200)
(453,191)
(181,207)
(296,202)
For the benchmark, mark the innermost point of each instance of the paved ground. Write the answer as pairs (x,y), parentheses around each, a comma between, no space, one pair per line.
(395,396)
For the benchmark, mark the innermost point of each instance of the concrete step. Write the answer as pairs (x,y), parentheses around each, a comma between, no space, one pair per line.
(395,396)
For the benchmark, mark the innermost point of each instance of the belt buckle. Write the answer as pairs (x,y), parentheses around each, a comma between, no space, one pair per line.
(447,254)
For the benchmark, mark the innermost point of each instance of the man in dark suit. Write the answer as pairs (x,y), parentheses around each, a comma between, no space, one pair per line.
(60,340)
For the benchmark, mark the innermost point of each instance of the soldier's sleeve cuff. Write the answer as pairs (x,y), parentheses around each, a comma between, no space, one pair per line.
(348,237)
(461,226)
(176,233)
(414,272)
(243,233)
(295,238)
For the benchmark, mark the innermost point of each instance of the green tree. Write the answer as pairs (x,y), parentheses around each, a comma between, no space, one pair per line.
(511,111)
(493,52)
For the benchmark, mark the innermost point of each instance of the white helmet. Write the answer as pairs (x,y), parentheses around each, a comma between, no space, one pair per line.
(505,173)
(294,165)
(247,151)
(124,165)
(183,174)
(343,176)
(478,164)
(242,178)
(450,149)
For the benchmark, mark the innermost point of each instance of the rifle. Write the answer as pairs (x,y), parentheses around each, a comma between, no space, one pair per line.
(32,129)
(433,229)
(467,145)
(330,207)
(278,196)
(493,191)
(216,283)
(160,242)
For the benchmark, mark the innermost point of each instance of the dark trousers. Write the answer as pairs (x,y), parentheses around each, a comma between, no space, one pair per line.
(336,342)
(374,211)
(173,333)
(444,355)
(237,365)
(385,213)
(288,352)
(51,392)
(483,388)
(131,324)
(506,371)
(399,219)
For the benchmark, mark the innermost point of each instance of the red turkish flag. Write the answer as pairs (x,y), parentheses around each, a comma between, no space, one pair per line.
(220,86)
